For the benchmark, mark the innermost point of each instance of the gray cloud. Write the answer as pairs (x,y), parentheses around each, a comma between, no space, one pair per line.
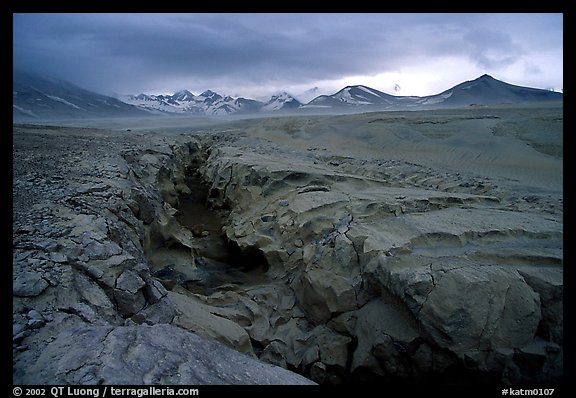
(139,52)
(532,69)
(492,49)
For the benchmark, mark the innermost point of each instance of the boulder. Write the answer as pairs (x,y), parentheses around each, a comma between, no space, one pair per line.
(101,251)
(130,282)
(495,309)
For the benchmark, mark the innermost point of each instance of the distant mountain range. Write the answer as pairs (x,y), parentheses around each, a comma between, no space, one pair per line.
(185,103)
(208,103)
(41,98)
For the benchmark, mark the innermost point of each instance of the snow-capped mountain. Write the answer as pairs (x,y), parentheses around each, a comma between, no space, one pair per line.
(281,102)
(151,103)
(45,98)
(183,95)
(481,91)
(355,96)
(185,103)
(41,98)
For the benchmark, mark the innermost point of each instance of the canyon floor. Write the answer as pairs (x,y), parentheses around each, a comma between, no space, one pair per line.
(402,247)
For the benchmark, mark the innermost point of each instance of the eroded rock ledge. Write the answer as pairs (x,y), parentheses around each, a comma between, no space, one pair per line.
(340,270)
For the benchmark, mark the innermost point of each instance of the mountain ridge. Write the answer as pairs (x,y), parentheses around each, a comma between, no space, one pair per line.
(45,98)
(484,90)
(37,97)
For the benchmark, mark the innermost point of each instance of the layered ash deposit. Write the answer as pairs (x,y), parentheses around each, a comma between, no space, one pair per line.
(272,255)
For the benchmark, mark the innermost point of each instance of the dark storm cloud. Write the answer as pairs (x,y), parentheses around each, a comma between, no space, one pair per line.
(206,45)
(137,52)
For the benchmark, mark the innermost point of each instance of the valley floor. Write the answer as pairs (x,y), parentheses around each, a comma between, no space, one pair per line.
(405,247)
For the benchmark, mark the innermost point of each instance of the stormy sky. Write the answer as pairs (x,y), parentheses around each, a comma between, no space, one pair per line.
(257,55)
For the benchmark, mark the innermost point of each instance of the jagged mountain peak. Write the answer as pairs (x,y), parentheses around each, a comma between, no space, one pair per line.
(485,76)
(183,95)
(282,95)
(210,94)
(184,91)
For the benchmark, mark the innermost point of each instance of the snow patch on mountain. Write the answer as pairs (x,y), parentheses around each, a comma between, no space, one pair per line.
(366,89)
(25,111)
(345,96)
(435,99)
(63,101)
